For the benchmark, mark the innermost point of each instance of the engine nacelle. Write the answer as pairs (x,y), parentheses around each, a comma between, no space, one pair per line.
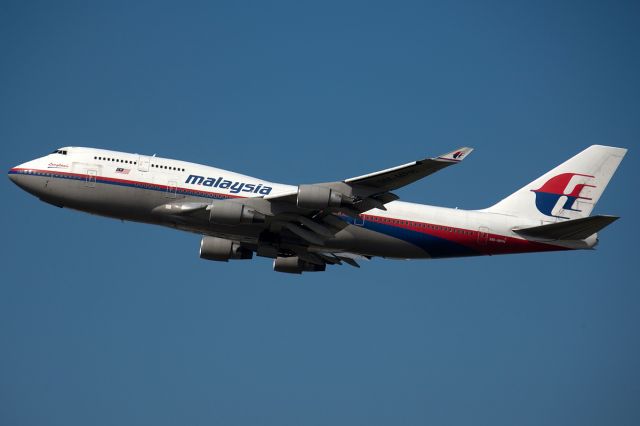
(294,265)
(317,197)
(230,213)
(220,249)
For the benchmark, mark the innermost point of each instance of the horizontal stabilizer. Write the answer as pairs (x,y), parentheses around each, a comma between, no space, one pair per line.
(576,229)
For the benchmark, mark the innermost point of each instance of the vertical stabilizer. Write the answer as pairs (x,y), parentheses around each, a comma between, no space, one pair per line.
(570,191)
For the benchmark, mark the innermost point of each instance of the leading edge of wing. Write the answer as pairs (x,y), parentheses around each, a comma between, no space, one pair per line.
(394,177)
(454,156)
(410,172)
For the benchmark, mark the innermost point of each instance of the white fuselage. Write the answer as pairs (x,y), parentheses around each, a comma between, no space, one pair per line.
(143,188)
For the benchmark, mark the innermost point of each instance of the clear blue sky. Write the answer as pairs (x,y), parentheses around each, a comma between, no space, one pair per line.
(110,323)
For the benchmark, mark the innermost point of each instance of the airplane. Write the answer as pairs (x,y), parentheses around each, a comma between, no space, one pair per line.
(306,227)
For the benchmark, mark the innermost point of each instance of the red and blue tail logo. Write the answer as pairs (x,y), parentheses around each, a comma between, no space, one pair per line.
(547,195)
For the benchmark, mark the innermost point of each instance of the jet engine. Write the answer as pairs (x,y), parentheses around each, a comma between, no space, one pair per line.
(316,197)
(295,265)
(230,213)
(220,249)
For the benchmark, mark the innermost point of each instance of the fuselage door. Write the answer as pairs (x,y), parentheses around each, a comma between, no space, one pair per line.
(172,187)
(90,180)
(143,163)
(483,235)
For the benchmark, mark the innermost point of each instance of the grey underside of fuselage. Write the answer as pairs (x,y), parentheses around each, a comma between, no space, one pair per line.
(138,204)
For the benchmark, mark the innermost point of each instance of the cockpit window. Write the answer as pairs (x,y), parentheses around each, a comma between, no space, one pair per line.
(60,151)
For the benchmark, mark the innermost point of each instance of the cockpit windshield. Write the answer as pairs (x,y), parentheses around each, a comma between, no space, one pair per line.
(60,151)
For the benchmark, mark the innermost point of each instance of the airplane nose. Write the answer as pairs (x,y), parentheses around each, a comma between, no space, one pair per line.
(16,174)
(12,175)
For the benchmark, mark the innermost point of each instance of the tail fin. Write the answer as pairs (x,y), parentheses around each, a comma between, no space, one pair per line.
(570,191)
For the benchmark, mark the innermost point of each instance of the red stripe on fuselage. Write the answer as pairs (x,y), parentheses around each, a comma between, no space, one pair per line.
(473,239)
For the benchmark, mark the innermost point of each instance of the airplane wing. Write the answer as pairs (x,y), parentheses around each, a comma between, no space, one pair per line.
(399,176)
(297,226)
(373,190)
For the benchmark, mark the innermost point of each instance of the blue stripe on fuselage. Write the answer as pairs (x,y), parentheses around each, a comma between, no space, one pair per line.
(434,246)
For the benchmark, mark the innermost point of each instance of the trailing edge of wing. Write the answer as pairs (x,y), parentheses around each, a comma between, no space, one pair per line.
(399,176)
(576,229)
(346,257)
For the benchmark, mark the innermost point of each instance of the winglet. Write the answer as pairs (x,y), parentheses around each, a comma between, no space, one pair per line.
(455,156)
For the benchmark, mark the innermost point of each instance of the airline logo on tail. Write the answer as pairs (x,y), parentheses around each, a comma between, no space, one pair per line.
(548,195)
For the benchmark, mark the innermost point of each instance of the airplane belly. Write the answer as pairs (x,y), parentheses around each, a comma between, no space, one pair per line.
(364,241)
(393,241)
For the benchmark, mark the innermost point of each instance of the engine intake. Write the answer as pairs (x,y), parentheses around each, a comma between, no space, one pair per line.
(318,197)
(220,249)
(230,213)
(295,265)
